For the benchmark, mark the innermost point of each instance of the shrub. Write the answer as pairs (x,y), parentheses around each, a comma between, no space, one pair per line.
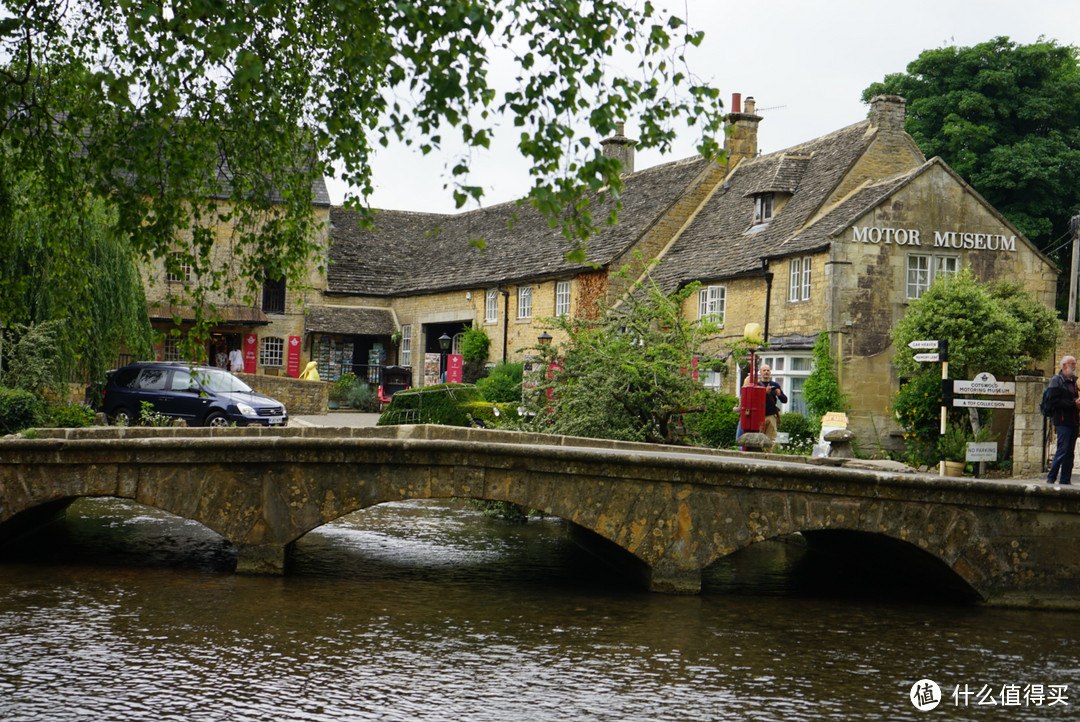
(484,412)
(503,384)
(361,396)
(474,345)
(440,404)
(802,433)
(70,416)
(20,410)
(340,388)
(716,425)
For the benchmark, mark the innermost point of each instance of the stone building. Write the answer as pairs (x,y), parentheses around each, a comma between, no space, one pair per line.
(266,329)
(837,234)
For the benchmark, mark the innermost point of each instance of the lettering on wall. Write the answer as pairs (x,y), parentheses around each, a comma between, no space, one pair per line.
(954,240)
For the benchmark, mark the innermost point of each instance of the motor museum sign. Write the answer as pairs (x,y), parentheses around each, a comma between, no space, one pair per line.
(952,240)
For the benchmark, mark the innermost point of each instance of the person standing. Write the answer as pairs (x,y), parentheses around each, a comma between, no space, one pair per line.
(1064,402)
(236,360)
(774,395)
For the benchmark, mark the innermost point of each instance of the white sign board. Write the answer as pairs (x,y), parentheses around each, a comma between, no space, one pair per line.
(927,357)
(981,451)
(924,345)
(985,383)
(983,404)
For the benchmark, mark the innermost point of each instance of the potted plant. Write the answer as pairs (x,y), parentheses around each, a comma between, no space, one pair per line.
(339,389)
(953,448)
(395,337)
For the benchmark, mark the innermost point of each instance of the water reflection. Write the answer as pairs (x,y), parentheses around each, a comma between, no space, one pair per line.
(426,611)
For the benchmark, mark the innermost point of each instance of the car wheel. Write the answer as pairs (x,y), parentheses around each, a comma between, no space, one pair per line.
(216,419)
(123,417)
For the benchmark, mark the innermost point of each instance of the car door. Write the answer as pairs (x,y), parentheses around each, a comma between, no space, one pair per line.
(181,397)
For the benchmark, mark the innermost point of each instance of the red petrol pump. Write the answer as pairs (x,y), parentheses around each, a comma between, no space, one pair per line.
(752,401)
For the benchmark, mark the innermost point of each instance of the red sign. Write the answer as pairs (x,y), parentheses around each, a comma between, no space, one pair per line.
(293,366)
(454,365)
(251,353)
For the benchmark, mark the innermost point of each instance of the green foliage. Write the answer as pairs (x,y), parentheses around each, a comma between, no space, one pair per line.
(155,96)
(503,383)
(444,404)
(626,375)
(19,410)
(507,510)
(63,263)
(802,433)
(987,330)
(149,417)
(952,445)
(1005,117)
(70,416)
(822,388)
(361,397)
(492,415)
(33,356)
(474,345)
(342,386)
(715,426)
(917,406)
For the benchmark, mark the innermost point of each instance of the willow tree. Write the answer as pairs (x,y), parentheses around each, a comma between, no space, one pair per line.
(72,294)
(164,109)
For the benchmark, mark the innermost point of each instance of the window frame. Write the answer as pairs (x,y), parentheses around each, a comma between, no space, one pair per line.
(491,306)
(712,304)
(525,299)
(562,298)
(405,349)
(268,355)
(185,269)
(800,269)
(764,203)
(935,263)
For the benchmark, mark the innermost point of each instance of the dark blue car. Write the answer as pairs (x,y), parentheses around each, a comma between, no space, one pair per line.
(200,395)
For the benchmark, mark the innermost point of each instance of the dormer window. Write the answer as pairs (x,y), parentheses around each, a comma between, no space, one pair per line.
(763,208)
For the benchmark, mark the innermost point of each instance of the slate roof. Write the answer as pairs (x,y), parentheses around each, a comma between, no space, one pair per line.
(348,320)
(722,242)
(407,253)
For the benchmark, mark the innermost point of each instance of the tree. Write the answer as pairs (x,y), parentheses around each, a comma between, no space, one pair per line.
(1000,329)
(822,388)
(72,295)
(166,109)
(626,375)
(1006,117)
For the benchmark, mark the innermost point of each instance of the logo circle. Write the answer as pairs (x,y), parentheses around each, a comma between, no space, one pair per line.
(925,695)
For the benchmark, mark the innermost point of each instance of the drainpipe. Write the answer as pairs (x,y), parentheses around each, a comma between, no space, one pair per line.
(768,296)
(506,319)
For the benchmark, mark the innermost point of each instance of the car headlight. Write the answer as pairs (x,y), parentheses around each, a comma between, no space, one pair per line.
(245,410)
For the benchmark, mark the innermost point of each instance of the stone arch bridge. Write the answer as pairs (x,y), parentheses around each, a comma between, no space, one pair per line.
(674,510)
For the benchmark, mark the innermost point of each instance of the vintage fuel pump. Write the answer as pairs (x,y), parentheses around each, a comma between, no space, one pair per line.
(752,396)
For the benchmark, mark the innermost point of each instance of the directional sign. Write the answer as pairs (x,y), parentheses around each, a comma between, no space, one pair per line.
(925,345)
(983,404)
(992,388)
(927,357)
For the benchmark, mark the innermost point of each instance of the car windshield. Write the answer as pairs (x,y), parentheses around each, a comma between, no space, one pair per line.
(219,381)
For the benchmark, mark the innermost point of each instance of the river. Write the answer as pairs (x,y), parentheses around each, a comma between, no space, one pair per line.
(428,610)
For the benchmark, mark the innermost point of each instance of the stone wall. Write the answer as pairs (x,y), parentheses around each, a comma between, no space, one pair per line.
(300,396)
(1029,449)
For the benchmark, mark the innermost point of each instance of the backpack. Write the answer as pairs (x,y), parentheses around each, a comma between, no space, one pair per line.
(1044,405)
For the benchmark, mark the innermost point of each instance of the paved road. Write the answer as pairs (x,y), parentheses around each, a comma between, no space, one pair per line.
(336,418)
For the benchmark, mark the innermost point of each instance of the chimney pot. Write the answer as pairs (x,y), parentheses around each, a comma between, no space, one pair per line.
(736,102)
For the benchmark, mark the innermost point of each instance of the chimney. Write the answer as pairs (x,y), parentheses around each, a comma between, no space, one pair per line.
(620,147)
(887,112)
(740,138)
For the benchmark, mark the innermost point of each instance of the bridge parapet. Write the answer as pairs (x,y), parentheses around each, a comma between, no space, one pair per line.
(676,510)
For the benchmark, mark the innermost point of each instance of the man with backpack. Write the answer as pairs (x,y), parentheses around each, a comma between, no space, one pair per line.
(1063,402)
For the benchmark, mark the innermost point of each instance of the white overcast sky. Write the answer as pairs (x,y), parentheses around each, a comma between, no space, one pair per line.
(805,62)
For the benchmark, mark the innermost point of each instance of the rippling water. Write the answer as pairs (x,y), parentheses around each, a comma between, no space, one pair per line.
(427,611)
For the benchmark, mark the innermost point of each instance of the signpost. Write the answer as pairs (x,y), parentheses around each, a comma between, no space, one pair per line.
(942,356)
(981,451)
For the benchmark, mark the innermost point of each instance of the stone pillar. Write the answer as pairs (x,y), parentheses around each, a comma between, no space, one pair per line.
(267,559)
(669,579)
(887,112)
(621,148)
(1028,424)
(741,141)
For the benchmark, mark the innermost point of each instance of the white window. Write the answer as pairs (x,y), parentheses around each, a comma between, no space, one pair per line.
(271,351)
(711,303)
(790,371)
(562,298)
(170,350)
(922,269)
(406,345)
(763,206)
(491,306)
(525,302)
(182,274)
(799,279)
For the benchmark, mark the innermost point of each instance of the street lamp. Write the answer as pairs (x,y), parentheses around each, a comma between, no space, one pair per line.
(544,339)
(444,344)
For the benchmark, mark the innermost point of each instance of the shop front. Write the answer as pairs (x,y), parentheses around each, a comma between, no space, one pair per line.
(343,339)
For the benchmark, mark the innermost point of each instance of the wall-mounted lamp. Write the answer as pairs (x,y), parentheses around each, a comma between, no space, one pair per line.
(544,339)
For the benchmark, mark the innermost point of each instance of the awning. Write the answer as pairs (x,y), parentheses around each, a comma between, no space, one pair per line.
(234,314)
(349,321)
